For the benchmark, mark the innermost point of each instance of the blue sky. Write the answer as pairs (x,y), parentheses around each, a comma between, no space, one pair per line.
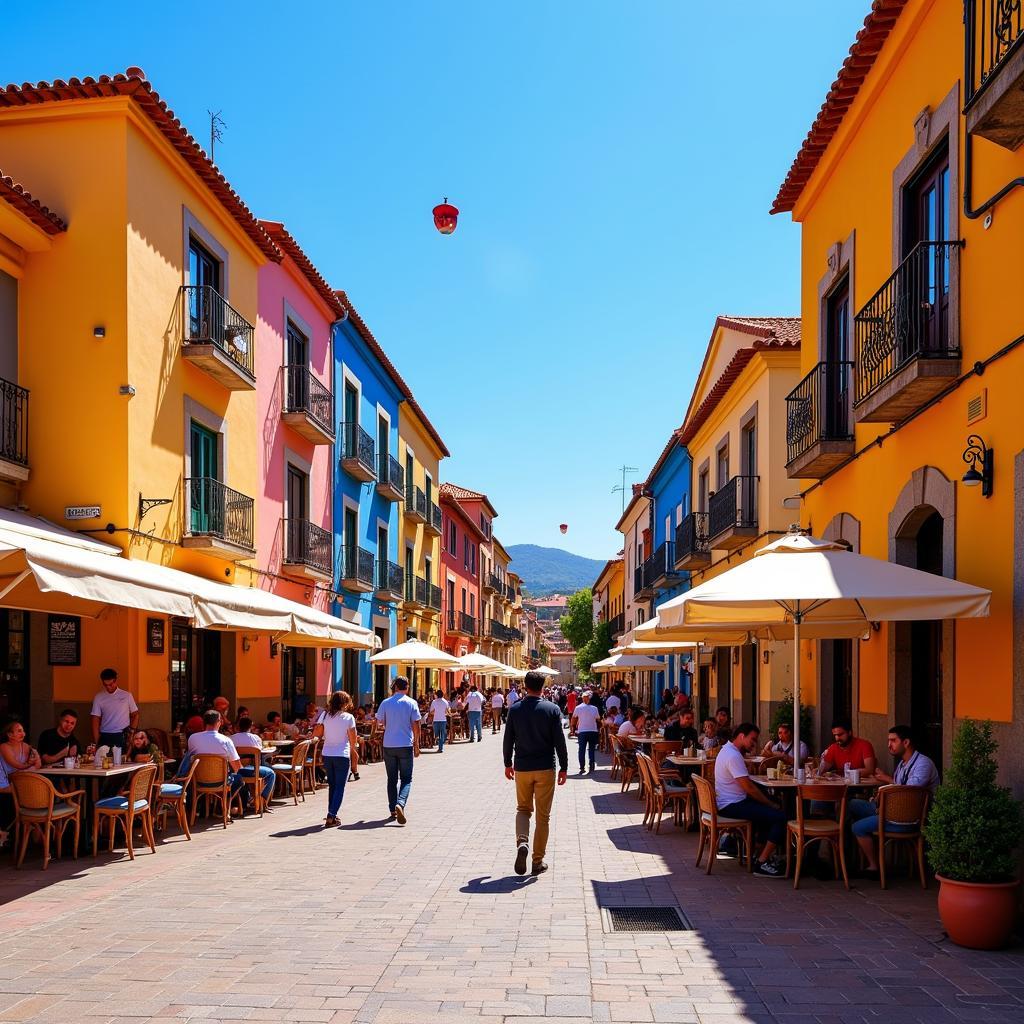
(614,164)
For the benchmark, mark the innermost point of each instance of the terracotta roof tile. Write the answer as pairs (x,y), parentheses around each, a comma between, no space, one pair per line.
(866,47)
(458,493)
(375,347)
(24,202)
(287,244)
(134,85)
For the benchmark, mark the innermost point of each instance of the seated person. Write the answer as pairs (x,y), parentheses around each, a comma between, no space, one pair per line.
(783,746)
(245,739)
(737,797)
(276,724)
(709,737)
(848,751)
(15,752)
(243,712)
(56,744)
(634,725)
(141,750)
(723,725)
(194,723)
(912,769)
(682,728)
(211,741)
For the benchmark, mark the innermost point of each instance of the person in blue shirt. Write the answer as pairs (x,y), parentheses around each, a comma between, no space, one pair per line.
(399,713)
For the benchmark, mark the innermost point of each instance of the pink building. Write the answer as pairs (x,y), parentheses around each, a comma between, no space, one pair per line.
(297,422)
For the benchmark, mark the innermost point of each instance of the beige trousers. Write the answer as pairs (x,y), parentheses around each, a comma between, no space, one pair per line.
(534,791)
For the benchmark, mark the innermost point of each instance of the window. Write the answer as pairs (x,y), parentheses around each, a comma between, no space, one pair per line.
(668,527)
(450,588)
(465,552)
(383,437)
(351,406)
(410,472)
(453,537)
(428,570)
(203,266)
(409,573)
(382,543)
(748,448)
(472,559)
(463,600)
(472,605)
(703,490)
(722,466)
(297,495)
(297,346)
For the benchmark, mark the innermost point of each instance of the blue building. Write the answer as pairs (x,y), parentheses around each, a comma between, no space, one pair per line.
(367,504)
(668,487)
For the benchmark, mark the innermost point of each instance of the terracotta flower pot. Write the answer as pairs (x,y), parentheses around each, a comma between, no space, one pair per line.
(978,915)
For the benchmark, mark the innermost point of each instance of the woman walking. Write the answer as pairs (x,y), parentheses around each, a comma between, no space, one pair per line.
(338,729)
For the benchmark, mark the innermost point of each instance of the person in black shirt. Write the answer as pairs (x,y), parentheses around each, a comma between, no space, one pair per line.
(533,739)
(681,728)
(56,744)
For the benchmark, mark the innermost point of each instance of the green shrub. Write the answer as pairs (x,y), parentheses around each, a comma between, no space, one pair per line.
(974,825)
(784,716)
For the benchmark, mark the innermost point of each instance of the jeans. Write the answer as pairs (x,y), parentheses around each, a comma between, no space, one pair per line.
(475,725)
(534,791)
(398,762)
(268,776)
(440,734)
(769,822)
(337,775)
(864,815)
(588,741)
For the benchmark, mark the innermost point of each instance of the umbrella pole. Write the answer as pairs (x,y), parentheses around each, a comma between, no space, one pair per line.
(796,690)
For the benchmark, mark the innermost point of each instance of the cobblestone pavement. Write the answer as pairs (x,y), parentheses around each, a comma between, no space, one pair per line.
(280,921)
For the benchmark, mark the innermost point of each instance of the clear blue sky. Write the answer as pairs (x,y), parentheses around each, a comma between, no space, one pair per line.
(614,164)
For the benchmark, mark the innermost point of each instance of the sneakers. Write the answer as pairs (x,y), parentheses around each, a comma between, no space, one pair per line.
(769,869)
(521,854)
(400,814)
(539,868)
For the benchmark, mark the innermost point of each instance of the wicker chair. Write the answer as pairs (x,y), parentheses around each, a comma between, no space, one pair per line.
(41,810)
(806,830)
(761,768)
(659,793)
(374,747)
(293,770)
(161,739)
(627,763)
(173,795)
(125,809)
(314,765)
(712,825)
(211,784)
(252,758)
(902,805)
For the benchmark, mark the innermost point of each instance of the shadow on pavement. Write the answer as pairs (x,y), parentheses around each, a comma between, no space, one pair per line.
(362,826)
(485,885)
(307,830)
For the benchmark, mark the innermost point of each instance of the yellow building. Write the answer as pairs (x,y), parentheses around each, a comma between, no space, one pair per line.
(913,353)
(609,596)
(735,432)
(497,605)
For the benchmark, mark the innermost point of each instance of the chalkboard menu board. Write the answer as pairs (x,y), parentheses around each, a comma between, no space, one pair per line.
(154,636)
(64,640)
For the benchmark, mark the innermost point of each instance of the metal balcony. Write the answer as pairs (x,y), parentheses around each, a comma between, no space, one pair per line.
(642,589)
(357,457)
(13,432)
(994,70)
(307,405)
(662,566)
(389,581)
(218,520)
(217,338)
(415,503)
(732,513)
(908,337)
(819,421)
(415,592)
(357,569)
(692,551)
(489,583)
(460,623)
(432,523)
(433,598)
(308,550)
(390,477)
(617,624)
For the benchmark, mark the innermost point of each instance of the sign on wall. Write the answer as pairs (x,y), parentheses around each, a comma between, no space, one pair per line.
(83,511)
(64,640)
(155,636)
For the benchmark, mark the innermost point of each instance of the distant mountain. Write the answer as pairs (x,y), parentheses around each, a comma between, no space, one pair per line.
(552,570)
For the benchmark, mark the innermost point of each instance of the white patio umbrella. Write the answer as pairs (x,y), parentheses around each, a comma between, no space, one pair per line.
(477,662)
(802,584)
(626,662)
(547,670)
(415,653)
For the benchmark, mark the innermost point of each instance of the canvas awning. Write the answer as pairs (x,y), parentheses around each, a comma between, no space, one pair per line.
(628,663)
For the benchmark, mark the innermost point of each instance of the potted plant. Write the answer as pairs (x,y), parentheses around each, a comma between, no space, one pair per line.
(783,715)
(973,830)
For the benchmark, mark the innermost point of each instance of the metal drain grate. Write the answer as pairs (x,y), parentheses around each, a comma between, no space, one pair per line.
(645,919)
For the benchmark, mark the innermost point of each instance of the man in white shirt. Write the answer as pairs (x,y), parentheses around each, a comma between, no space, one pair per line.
(114,713)
(585,719)
(912,769)
(632,725)
(784,745)
(737,797)
(211,741)
(475,713)
(245,739)
(614,702)
(439,708)
(497,704)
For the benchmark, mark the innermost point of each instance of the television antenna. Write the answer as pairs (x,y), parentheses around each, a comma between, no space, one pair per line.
(622,487)
(217,126)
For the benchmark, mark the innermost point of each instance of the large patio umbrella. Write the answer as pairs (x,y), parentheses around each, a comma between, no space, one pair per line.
(547,670)
(415,653)
(802,584)
(477,662)
(628,662)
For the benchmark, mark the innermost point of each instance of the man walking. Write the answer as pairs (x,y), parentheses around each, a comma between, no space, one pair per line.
(497,706)
(586,722)
(533,739)
(399,713)
(475,713)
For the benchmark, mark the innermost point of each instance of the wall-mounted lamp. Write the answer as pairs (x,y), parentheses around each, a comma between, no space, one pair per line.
(99,332)
(766,655)
(977,455)
(246,644)
(127,389)
(274,648)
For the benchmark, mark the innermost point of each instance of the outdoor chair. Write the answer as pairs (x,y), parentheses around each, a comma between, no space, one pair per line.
(374,746)
(314,765)
(41,810)
(126,808)
(806,830)
(293,770)
(661,750)
(627,763)
(252,758)
(211,785)
(906,808)
(771,761)
(713,825)
(661,793)
(173,795)
(426,734)
(161,739)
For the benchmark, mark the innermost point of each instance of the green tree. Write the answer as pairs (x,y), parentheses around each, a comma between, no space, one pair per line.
(596,648)
(577,624)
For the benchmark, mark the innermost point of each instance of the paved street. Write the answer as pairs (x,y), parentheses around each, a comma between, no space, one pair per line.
(278,921)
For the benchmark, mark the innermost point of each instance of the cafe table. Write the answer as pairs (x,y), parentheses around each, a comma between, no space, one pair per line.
(788,782)
(90,773)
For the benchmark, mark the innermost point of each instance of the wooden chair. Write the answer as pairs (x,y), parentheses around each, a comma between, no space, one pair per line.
(211,784)
(252,757)
(41,810)
(455,731)
(426,733)
(712,825)
(161,738)
(173,795)
(313,766)
(770,761)
(661,750)
(125,809)
(660,793)
(806,830)
(902,805)
(293,771)
(616,752)
(374,748)
(627,764)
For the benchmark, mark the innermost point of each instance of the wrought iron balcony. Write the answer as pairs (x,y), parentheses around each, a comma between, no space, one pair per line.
(642,590)
(994,70)
(389,580)
(692,551)
(661,566)
(819,420)
(390,477)
(307,405)
(433,597)
(218,520)
(489,582)
(357,457)
(415,503)
(460,623)
(13,432)
(617,624)
(415,591)
(732,513)
(217,338)
(499,631)
(908,335)
(308,550)
(356,568)
(433,519)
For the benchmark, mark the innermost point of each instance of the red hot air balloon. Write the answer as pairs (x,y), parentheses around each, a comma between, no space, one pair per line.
(564,527)
(446,217)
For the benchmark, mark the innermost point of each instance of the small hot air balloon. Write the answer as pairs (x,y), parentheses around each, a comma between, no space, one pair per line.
(446,217)
(564,527)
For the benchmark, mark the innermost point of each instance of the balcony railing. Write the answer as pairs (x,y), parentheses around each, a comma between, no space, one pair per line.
(215,510)
(209,319)
(617,624)
(433,597)
(461,622)
(638,580)
(819,409)
(692,540)
(305,543)
(357,450)
(733,507)
(415,590)
(661,565)
(357,567)
(390,475)
(389,578)
(415,502)
(304,393)
(435,521)
(908,317)
(494,582)
(993,30)
(13,423)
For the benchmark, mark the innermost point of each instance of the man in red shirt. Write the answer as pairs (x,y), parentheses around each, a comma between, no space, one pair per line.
(848,750)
